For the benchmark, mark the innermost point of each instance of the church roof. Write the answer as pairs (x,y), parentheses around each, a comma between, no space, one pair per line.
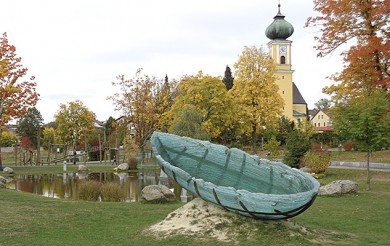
(297,96)
(279,28)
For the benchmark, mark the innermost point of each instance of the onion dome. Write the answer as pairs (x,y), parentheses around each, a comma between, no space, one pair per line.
(279,28)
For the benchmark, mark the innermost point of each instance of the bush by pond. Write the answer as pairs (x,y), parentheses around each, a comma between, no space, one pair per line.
(111,192)
(89,190)
(92,190)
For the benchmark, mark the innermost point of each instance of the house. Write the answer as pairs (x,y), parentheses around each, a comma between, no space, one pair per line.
(321,120)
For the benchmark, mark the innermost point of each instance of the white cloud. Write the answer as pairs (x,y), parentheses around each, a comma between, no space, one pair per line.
(77,48)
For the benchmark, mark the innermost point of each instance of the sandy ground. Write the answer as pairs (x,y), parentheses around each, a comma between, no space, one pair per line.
(203,219)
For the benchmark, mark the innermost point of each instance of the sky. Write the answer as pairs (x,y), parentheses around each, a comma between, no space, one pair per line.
(77,48)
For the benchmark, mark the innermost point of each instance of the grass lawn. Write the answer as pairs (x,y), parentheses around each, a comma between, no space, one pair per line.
(358,219)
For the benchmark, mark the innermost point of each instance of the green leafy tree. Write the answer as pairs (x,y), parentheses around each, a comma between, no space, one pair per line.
(323,104)
(75,121)
(30,125)
(189,123)
(255,93)
(273,146)
(366,123)
(209,96)
(228,78)
(164,102)
(297,145)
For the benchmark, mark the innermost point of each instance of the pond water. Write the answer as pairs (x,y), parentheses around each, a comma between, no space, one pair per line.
(65,185)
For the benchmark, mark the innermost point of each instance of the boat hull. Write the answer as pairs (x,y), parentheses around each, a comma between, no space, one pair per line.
(233,179)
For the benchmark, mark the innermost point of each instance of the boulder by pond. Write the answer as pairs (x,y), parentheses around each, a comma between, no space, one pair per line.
(3,182)
(158,193)
(8,170)
(339,187)
(83,168)
(122,167)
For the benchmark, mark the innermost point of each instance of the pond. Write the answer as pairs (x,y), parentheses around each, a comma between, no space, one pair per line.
(65,185)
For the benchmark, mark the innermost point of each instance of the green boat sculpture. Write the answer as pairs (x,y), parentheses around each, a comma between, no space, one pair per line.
(233,179)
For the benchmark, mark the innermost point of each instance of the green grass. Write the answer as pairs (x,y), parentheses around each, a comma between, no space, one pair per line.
(358,156)
(358,219)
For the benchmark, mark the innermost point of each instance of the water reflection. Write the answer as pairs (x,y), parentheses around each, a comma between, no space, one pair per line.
(65,185)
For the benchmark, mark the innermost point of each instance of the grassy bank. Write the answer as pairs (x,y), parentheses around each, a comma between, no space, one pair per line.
(359,219)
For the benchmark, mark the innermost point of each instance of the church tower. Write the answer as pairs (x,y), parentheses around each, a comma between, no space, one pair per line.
(280,50)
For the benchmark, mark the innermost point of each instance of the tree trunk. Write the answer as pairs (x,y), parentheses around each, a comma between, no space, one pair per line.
(254,137)
(38,163)
(368,185)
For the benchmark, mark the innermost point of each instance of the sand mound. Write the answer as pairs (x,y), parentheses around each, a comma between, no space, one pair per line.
(197,217)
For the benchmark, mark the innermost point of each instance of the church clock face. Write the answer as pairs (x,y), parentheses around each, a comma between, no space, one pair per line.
(283,49)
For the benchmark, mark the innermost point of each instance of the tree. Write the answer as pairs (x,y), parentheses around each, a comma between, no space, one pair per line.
(366,123)
(210,98)
(164,102)
(8,139)
(367,60)
(228,79)
(323,104)
(189,123)
(16,94)
(138,104)
(297,145)
(255,92)
(30,125)
(75,121)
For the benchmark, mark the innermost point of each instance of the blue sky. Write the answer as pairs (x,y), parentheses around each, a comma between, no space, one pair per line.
(75,49)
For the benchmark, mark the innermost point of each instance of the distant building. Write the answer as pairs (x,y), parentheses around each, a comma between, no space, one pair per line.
(295,106)
(322,120)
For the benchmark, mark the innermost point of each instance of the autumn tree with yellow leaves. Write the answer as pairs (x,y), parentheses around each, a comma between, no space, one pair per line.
(255,93)
(75,122)
(209,96)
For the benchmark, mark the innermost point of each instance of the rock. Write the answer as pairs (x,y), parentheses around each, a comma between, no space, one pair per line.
(123,167)
(3,182)
(83,168)
(8,170)
(305,169)
(339,187)
(158,193)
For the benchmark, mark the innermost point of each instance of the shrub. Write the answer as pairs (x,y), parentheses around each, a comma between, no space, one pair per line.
(111,192)
(348,146)
(317,161)
(89,190)
(296,147)
(273,147)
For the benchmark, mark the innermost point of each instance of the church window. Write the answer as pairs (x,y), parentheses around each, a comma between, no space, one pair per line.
(282,60)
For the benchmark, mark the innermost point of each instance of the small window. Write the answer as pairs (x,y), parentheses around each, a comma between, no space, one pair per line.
(319,116)
(282,92)
(324,124)
(282,60)
(283,77)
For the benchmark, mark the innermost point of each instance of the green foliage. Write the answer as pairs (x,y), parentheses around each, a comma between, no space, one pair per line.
(228,78)
(188,122)
(317,161)
(365,121)
(272,146)
(89,190)
(111,192)
(297,145)
(8,139)
(29,125)
(323,104)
